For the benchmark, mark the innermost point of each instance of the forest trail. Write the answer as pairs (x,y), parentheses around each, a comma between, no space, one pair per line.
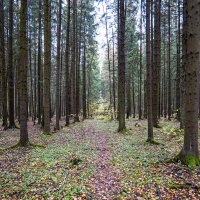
(106,181)
(90,160)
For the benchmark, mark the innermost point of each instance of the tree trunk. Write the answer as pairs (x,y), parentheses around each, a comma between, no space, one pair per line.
(58,67)
(113,68)
(169,62)
(73,59)
(140,70)
(109,64)
(11,69)
(23,58)
(39,83)
(121,67)
(78,56)
(149,74)
(3,68)
(84,79)
(47,65)
(156,63)
(67,81)
(190,154)
(178,63)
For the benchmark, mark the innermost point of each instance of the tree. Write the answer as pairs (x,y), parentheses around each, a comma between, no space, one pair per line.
(67,81)
(39,65)
(121,66)
(58,67)
(149,73)
(3,67)
(189,154)
(23,55)
(108,60)
(156,62)
(169,61)
(141,67)
(11,69)
(84,78)
(73,58)
(47,64)
(178,62)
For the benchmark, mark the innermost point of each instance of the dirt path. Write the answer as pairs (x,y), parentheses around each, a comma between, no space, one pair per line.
(106,182)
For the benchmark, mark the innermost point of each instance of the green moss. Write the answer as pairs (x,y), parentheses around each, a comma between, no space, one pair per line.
(48,133)
(75,161)
(103,117)
(152,142)
(37,145)
(124,131)
(177,186)
(157,126)
(28,144)
(188,159)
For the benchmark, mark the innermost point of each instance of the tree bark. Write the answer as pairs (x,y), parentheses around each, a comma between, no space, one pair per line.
(67,81)
(47,65)
(23,58)
(3,67)
(149,73)
(39,83)
(84,79)
(58,67)
(156,63)
(169,62)
(178,62)
(11,69)
(190,154)
(121,67)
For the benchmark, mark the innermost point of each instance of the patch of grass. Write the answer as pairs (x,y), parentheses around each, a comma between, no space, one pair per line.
(187,159)
(103,117)
(29,144)
(48,133)
(75,161)
(152,142)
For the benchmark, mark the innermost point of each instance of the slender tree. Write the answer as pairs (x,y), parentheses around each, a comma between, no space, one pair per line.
(39,84)
(73,58)
(109,62)
(23,58)
(178,61)
(67,81)
(58,67)
(141,68)
(113,74)
(3,67)
(11,69)
(121,66)
(156,62)
(169,62)
(84,78)
(149,73)
(47,64)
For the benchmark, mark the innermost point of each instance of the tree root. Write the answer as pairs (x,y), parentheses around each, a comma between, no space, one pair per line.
(19,144)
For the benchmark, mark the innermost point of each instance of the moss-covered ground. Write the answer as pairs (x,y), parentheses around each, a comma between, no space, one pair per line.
(90,160)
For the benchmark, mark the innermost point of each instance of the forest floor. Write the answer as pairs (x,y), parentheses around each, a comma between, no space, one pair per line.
(90,160)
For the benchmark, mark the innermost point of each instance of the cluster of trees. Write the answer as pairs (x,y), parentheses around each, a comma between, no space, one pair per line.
(48,62)
(54,67)
(160,36)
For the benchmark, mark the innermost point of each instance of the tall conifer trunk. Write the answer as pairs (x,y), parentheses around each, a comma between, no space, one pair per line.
(191,38)
(47,65)
(121,67)
(23,59)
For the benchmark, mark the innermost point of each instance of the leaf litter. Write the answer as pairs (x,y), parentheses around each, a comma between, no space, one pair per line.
(90,160)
